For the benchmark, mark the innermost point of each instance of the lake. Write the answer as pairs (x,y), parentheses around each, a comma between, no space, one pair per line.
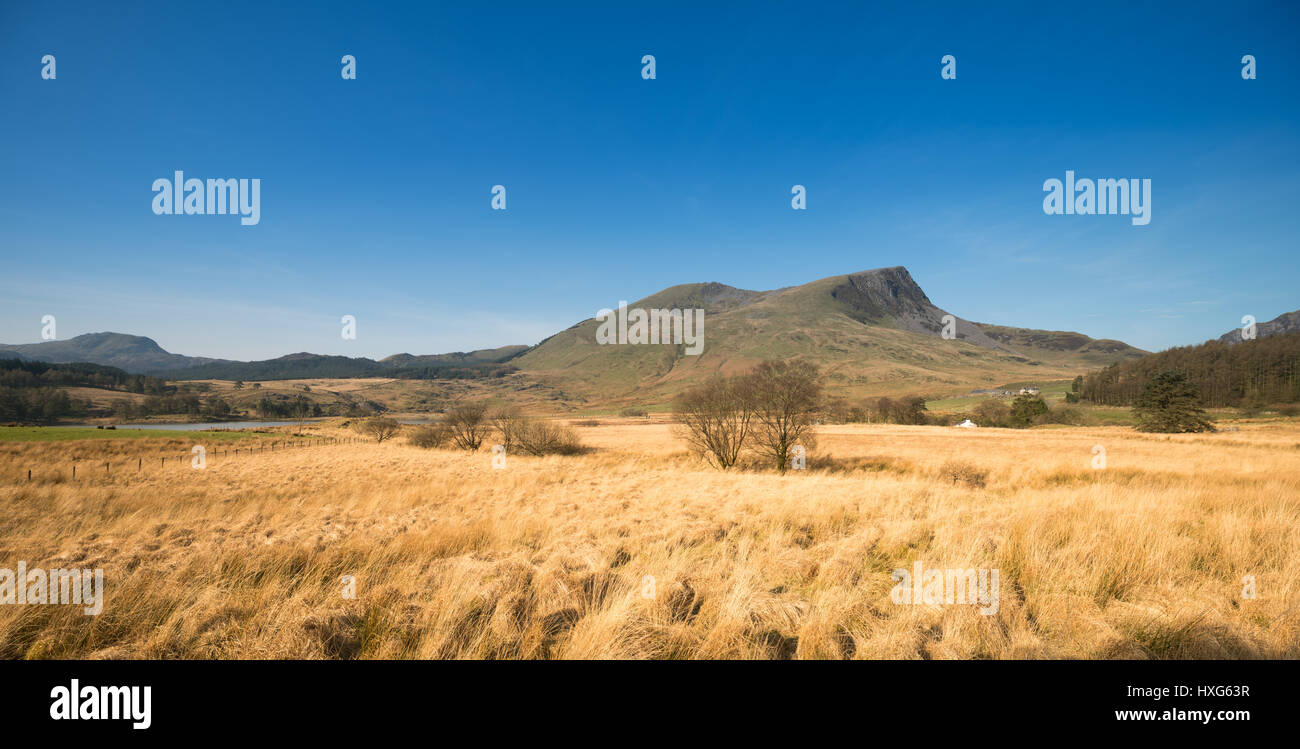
(200,427)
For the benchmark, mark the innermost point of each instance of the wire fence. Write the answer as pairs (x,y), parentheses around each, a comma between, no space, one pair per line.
(138,464)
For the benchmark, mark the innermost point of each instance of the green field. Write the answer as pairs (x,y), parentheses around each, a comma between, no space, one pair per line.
(1052,391)
(59,434)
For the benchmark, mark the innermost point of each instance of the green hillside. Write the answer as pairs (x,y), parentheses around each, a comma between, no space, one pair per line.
(874,332)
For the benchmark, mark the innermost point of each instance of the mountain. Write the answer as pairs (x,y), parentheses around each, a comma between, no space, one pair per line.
(479,356)
(1287,322)
(133,353)
(458,365)
(140,355)
(874,331)
(298,366)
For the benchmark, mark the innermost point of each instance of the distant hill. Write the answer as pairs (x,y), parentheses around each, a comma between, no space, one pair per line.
(1059,345)
(289,367)
(132,353)
(479,356)
(871,331)
(459,365)
(1287,322)
(140,355)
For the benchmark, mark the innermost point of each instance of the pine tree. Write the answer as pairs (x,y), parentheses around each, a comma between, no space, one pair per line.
(1026,408)
(1169,403)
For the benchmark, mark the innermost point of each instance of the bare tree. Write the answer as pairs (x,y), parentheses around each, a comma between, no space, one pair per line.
(508,421)
(469,425)
(784,397)
(380,428)
(714,419)
(300,410)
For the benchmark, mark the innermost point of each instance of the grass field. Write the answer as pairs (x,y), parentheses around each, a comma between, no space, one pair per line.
(65,434)
(1052,392)
(638,550)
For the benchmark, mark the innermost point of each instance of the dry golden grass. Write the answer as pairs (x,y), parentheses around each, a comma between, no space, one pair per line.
(549,557)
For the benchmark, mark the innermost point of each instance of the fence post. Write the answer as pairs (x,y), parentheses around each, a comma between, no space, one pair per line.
(74,470)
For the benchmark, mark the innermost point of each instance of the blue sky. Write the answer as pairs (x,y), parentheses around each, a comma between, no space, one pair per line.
(376,197)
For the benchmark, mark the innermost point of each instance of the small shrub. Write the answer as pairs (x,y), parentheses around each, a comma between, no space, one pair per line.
(869,464)
(431,435)
(992,413)
(1063,414)
(633,412)
(964,473)
(537,437)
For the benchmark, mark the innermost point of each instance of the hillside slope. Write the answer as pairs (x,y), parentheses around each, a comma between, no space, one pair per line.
(874,331)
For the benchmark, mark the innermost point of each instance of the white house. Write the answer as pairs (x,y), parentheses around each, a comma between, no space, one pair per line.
(967,424)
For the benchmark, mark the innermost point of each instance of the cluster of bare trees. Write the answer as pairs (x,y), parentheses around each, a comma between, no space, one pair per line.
(468,425)
(767,411)
(522,433)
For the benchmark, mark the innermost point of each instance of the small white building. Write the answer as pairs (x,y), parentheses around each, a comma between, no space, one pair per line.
(1029,391)
(967,424)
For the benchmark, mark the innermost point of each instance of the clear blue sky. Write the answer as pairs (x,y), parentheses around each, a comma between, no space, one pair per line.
(376,192)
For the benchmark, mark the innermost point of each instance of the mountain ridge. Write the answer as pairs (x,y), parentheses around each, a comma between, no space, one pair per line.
(869,326)
(1287,322)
